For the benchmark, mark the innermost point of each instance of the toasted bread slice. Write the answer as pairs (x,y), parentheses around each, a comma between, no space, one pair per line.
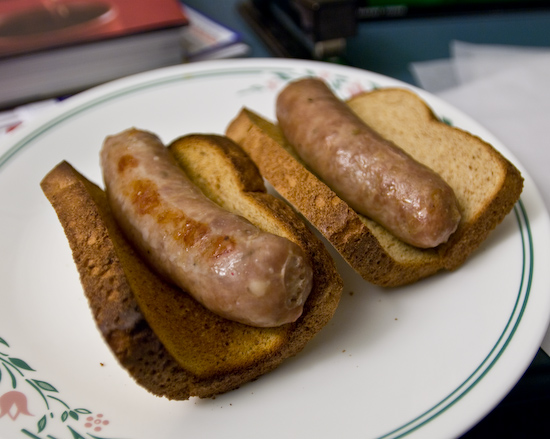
(486,184)
(168,342)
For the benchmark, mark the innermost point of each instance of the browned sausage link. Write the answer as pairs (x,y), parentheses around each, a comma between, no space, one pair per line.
(373,175)
(226,263)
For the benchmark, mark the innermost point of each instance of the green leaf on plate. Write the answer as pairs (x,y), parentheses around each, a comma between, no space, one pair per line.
(73,415)
(283,75)
(4,342)
(45,386)
(20,364)
(83,411)
(447,121)
(42,423)
(64,415)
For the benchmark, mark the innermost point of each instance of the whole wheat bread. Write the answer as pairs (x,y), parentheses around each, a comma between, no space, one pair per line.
(168,342)
(486,184)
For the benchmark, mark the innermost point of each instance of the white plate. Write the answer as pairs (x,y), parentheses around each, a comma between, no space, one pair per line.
(426,360)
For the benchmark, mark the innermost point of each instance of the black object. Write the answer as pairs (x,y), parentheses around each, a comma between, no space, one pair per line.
(523,414)
(306,29)
(374,10)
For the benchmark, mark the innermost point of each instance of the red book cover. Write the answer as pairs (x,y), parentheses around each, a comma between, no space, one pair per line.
(32,25)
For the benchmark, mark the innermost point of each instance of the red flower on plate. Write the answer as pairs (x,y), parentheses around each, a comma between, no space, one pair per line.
(96,422)
(13,399)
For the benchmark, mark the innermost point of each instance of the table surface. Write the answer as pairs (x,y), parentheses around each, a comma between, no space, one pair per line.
(388,47)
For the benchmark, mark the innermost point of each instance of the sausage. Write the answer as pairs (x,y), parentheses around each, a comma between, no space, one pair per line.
(374,176)
(221,259)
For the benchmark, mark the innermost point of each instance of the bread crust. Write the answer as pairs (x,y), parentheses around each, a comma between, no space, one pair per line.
(403,118)
(169,343)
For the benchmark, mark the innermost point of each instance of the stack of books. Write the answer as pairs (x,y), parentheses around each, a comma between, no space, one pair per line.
(205,39)
(54,47)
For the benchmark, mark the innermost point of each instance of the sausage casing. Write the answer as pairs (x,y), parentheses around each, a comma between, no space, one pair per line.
(221,259)
(374,176)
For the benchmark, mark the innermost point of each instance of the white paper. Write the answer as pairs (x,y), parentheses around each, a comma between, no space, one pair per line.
(473,61)
(434,76)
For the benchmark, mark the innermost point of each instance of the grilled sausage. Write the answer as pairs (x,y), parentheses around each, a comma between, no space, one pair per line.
(374,176)
(221,259)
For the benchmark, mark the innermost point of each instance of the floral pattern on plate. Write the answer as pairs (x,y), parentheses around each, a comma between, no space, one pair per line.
(24,385)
